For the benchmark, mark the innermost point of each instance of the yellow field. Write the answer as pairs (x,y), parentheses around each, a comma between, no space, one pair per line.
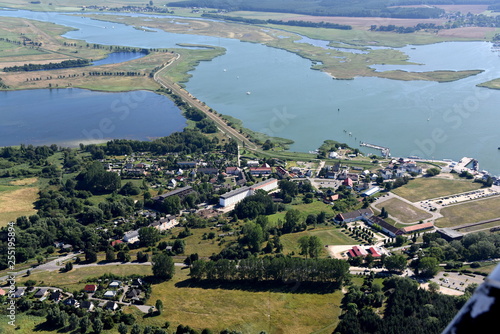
(243,309)
(403,211)
(16,203)
(470,212)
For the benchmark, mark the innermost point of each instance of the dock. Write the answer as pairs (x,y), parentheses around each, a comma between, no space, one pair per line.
(386,152)
(464,162)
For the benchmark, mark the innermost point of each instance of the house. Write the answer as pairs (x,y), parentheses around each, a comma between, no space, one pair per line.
(41,293)
(357,251)
(19,292)
(56,296)
(283,173)
(87,305)
(115,284)
(2,292)
(137,282)
(90,288)
(133,295)
(353,215)
(172,183)
(72,302)
(165,223)
(116,242)
(347,182)
(252,163)
(109,294)
(263,170)
(111,306)
(131,236)
(233,170)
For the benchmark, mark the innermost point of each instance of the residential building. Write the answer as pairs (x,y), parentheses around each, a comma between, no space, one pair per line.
(90,288)
(165,223)
(131,236)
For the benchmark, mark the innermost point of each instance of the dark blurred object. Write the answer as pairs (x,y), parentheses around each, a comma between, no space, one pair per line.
(481,313)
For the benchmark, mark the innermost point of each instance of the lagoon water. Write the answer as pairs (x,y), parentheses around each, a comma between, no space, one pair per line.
(71,116)
(276,92)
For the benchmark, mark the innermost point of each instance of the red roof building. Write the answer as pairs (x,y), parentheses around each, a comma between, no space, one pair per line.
(347,182)
(90,288)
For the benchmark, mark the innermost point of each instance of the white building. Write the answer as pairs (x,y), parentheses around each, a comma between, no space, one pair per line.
(236,196)
(131,236)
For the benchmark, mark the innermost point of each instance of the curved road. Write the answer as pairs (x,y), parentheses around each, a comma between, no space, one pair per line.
(191,100)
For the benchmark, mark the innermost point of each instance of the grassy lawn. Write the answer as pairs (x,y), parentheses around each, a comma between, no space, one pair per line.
(274,311)
(403,211)
(426,188)
(329,235)
(204,248)
(76,278)
(313,208)
(470,212)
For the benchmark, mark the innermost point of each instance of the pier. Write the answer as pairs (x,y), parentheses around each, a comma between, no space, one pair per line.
(464,162)
(386,152)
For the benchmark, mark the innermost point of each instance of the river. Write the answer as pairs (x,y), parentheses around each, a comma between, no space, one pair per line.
(276,92)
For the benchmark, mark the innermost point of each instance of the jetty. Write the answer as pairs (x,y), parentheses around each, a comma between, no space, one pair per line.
(386,152)
(464,162)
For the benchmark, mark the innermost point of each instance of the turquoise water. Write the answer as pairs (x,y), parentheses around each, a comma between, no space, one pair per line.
(276,92)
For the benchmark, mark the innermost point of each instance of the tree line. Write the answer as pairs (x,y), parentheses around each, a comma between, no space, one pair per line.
(49,66)
(296,23)
(368,8)
(282,269)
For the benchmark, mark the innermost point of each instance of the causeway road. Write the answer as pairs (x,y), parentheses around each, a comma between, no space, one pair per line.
(193,101)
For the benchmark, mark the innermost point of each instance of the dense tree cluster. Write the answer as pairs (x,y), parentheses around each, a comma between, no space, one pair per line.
(49,66)
(255,205)
(186,142)
(97,180)
(284,269)
(408,310)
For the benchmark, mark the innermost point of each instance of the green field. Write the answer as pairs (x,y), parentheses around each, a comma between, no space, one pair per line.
(403,211)
(470,212)
(329,235)
(426,188)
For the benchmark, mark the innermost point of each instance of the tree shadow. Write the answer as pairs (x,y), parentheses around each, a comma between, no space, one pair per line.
(263,286)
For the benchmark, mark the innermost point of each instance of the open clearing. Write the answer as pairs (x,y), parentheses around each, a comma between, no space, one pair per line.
(470,212)
(426,188)
(16,202)
(403,211)
(76,279)
(274,311)
(327,235)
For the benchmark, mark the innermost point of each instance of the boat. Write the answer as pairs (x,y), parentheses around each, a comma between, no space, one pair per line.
(248,93)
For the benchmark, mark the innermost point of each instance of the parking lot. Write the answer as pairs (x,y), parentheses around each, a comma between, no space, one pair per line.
(457,281)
